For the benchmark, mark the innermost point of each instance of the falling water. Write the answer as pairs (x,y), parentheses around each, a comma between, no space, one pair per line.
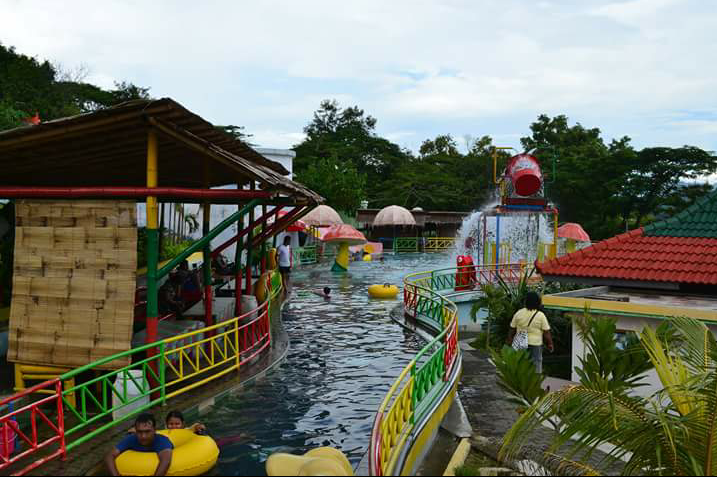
(522,230)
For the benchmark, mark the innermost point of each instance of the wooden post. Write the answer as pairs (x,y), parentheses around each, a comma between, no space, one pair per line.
(152,242)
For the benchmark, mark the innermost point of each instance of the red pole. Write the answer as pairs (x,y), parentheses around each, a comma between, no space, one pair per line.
(280,225)
(240,234)
(131,192)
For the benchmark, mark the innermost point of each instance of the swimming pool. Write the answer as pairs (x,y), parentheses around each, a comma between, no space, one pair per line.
(345,354)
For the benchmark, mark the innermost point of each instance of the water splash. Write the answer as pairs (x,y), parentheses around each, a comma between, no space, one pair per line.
(523,232)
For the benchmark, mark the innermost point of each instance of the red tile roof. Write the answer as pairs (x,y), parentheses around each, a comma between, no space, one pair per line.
(634,256)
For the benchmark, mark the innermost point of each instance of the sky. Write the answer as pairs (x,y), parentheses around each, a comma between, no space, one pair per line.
(641,68)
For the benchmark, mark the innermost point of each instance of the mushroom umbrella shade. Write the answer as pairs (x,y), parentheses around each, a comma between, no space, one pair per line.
(573,231)
(344,235)
(393,215)
(322,216)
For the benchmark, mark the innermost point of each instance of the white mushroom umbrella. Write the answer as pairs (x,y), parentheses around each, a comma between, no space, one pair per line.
(393,215)
(322,216)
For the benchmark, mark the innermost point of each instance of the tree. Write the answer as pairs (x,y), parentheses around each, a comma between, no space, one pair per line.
(238,132)
(671,432)
(28,86)
(347,136)
(656,179)
(339,182)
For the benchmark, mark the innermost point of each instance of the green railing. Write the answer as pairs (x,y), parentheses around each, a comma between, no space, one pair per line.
(213,352)
(404,245)
(305,255)
(427,378)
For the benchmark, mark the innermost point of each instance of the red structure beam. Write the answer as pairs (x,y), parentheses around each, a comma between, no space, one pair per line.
(131,192)
(282,224)
(242,233)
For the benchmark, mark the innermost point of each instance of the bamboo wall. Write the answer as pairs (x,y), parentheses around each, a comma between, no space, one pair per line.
(74,279)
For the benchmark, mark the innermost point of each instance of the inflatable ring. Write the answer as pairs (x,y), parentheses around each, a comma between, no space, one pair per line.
(383,291)
(321,461)
(192,455)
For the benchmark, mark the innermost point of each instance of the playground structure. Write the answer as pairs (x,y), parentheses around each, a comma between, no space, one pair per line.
(521,227)
(74,281)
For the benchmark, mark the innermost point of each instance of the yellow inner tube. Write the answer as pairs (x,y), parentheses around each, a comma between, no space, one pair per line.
(192,455)
(383,291)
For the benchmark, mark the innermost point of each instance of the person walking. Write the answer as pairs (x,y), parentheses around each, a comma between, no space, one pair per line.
(532,320)
(285,262)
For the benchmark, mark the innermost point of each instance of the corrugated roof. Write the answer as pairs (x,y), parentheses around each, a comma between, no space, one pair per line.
(682,249)
(109,147)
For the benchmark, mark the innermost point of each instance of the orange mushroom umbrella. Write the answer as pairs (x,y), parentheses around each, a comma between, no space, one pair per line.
(344,235)
(573,231)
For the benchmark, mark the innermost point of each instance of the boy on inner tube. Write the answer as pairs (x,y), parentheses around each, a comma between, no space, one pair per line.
(144,439)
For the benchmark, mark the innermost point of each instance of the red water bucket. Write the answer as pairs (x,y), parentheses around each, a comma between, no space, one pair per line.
(525,174)
(466,276)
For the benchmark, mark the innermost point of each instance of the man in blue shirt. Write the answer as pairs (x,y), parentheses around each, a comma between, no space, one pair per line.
(144,439)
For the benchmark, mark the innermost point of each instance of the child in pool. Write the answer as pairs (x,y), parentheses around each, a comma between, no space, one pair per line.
(175,420)
(325,293)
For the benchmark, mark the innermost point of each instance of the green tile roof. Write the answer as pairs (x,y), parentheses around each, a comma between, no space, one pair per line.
(698,220)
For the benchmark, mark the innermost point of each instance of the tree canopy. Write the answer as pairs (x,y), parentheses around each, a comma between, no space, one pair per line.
(28,86)
(606,187)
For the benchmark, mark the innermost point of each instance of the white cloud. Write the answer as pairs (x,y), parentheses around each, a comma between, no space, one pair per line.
(421,66)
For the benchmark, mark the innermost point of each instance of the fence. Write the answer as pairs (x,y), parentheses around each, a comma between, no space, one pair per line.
(165,371)
(439,244)
(425,379)
(305,255)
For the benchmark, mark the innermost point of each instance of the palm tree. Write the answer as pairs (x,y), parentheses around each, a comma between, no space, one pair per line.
(673,432)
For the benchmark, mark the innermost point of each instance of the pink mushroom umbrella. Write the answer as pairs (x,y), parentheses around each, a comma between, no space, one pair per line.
(344,235)
(573,231)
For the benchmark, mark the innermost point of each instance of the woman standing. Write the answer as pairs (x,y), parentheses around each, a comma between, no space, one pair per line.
(533,321)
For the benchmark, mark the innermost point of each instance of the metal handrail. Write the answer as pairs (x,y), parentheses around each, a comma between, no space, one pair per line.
(256,336)
(396,417)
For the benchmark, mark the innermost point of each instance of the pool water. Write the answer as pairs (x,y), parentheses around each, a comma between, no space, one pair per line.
(344,355)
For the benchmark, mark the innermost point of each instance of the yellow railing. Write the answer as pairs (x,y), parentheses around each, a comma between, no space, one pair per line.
(439,244)
(430,370)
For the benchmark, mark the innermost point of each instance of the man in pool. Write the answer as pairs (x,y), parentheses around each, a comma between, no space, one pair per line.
(325,293)
(144,439)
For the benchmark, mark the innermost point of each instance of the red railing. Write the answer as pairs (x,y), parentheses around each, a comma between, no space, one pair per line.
(255,337)
(34,443)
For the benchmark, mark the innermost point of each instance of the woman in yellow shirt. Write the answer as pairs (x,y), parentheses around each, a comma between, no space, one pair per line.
(534,321)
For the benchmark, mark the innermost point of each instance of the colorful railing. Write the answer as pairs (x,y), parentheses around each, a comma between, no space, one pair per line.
(38,409)
(425,379)
(168,369)
(439,244)
(471,277)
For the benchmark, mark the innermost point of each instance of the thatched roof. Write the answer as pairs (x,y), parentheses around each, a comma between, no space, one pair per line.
(109,148)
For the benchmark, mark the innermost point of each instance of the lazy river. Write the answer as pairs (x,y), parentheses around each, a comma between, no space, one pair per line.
(344,355)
